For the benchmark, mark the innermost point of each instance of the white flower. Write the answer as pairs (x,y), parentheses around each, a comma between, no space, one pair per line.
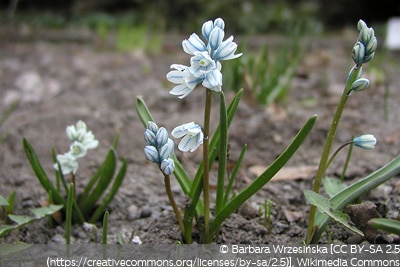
(213,80)
(67,163)
(78,150)
(201,63)
(79,133)
(185,80)
(193,44)
(192,136)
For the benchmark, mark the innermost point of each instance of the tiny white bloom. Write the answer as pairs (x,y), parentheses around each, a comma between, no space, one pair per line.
(67,163)
(185,80)
(193,44)
(80,133)
(192,136)
(78,150)
(201,63)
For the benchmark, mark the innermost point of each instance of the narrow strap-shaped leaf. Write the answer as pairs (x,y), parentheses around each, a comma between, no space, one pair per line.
(234,174)
(114,189)
(265,177)
(93,180)
(355,191)
(143,111)
(40,173)
(388,225)
(222,158)
(107,173)
(105,228)
(68,216)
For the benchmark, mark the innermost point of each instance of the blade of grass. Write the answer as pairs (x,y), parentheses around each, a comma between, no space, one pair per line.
(114,189)
(222,158)
(107,173)
(388,225)
(234,174)
(68,217)
(40,173)
(105,228)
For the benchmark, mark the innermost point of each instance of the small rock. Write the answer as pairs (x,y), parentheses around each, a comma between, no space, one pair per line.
(58,239)
(145,213)
(133,212)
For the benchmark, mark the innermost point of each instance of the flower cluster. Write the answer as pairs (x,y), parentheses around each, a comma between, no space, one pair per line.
(205,66)
(82,140)
(364,49)
(159,148)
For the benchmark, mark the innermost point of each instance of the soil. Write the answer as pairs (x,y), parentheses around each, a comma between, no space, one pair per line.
(58,82)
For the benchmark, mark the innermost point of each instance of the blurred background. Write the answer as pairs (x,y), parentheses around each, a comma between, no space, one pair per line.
(245,17)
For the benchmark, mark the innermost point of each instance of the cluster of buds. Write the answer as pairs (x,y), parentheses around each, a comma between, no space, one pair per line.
(82,140)
(364,49)
(205,66)
(363,52)
(159,148)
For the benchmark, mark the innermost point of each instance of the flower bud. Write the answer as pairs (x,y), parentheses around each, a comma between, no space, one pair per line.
(360,85)
(371,46)
(352,71)
(152,126)
(206,29)
(161,137)
(366,141)
(358,53)
(219,23)
(149,137)
(151,153)
(167,166)
(167,150)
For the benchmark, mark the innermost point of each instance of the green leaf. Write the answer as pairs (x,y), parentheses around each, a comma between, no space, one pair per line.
(44,211)
(114,189)
(4,229)
(106,174)
(3,201)
(234,174)
(143,111)
(105,228)
(222,158)
(324,206)
(388,225)
(68,216)
(40,173)
(333,186)
(21,219)
(265,177)
(355,191)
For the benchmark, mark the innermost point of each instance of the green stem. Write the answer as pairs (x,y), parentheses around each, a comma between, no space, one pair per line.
(206,182)
(323,164)
(167,183)
(336,153)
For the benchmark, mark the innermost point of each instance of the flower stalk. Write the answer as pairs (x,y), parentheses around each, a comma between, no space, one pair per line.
(206,180)
(363,52)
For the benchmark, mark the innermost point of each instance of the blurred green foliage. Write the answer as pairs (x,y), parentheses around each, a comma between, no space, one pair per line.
(252,16)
